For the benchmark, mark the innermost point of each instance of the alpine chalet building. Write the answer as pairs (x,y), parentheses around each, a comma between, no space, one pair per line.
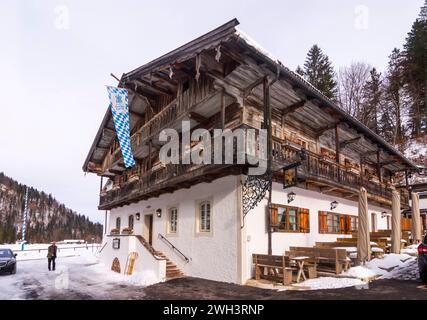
(206,220)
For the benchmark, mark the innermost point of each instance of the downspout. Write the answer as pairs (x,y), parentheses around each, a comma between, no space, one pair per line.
(241,234)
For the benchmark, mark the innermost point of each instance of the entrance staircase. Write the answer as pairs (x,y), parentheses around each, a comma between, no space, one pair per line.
(172,270)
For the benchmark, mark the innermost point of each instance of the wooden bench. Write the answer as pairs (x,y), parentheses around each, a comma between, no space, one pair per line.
(335,244)
(273,268)
(327,259)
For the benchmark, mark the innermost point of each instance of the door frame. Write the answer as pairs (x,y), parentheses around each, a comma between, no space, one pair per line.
(148,227)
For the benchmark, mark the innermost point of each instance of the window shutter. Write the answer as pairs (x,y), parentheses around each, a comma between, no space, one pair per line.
(273,212)
(348,225)
(323,227)
(342,224)
(304,216)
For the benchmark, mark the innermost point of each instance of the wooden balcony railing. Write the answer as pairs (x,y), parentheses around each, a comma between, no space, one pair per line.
(316,166)
(169,114)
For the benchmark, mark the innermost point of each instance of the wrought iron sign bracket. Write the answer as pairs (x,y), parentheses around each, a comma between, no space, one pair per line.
(253,191)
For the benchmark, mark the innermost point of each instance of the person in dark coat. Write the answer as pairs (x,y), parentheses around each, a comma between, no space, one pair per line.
(51,256)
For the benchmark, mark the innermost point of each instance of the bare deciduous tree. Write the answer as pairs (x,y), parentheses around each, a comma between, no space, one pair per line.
(351,85)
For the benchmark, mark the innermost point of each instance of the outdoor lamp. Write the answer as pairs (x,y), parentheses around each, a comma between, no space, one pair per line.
(384,214)
(159,213)
(291,197)
(334,205)
(137,216)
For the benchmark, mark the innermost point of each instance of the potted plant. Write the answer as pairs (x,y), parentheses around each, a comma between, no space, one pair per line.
(127,231)
(115,231)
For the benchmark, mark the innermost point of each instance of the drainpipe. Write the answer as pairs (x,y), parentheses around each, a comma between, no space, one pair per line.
(267,125)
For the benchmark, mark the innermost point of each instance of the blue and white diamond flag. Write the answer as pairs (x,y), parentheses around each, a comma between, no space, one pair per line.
(120,110)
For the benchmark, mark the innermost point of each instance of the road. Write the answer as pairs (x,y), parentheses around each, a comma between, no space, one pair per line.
(77,278)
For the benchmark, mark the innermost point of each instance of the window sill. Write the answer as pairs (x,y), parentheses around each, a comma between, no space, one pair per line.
(291,231)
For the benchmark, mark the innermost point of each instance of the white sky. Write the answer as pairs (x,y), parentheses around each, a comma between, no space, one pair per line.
(54,71)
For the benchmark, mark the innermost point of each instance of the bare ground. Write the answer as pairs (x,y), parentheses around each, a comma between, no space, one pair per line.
(200,289)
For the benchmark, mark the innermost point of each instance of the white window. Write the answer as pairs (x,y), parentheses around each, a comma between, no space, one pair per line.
(173,220)
(205,216)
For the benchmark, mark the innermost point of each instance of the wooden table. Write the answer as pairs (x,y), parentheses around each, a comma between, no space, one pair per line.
(300,261)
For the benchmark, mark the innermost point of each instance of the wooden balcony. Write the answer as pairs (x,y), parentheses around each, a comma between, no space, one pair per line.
(331,176)
(316,170)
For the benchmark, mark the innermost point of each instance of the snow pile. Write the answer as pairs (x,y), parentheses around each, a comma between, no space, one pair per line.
(391,266)
(408,270)
(330,283)
(388,263)
(361,273)
(411,250)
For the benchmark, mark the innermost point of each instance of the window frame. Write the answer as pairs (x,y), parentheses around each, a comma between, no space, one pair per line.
(131,217)
(286,221)
(199,230)
(118,223)
(336,218)
(169,222)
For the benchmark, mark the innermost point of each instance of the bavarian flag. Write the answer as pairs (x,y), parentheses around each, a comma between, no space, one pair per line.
(120,110)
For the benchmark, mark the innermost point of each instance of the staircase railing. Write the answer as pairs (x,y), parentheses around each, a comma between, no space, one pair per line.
(101,248)
(183,256)
(149,248)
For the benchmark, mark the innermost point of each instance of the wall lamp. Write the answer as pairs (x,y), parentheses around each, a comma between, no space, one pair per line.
(334,205)
(138,216)
(159,213)
(291,197)
(384,214)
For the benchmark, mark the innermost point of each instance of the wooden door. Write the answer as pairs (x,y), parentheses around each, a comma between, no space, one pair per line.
(148,228)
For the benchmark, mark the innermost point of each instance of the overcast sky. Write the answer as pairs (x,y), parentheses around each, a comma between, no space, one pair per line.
(56,57)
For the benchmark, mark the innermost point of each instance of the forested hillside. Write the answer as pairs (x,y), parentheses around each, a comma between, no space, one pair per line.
(48,220)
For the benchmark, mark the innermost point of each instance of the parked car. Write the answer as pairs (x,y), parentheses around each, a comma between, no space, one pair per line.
(422,259)
(7,261)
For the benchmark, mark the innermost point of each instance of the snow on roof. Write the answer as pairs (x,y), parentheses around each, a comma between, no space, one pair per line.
(251,42)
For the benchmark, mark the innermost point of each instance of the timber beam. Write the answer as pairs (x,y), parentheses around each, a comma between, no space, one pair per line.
(153,87)
(115,172)
(247,91)
(322,131)
(294,107)
(198,117)
(345,143)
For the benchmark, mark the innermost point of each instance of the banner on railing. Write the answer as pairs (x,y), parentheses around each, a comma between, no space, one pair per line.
(120,110)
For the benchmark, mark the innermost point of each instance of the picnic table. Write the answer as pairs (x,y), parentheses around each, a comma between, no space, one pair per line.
(300,261)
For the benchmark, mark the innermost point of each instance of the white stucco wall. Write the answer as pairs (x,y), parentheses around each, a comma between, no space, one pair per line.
(153,270)
(255,222)
(213,256)
(216,256)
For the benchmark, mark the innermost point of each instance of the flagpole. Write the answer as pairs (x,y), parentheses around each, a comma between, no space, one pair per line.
(24,218)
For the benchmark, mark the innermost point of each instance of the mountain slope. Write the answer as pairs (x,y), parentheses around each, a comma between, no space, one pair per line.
(48,220)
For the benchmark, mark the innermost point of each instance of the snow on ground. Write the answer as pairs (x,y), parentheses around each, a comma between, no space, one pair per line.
(361,273)
(391,266)
(80,276)
(39,251)
(411,250)
(323,283)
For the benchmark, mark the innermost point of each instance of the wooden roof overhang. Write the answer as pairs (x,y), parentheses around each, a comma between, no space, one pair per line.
(296,99)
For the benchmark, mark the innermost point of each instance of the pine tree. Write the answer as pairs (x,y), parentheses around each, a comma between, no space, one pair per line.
(394,100)
(415,73)
(319,72)
(373,96)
